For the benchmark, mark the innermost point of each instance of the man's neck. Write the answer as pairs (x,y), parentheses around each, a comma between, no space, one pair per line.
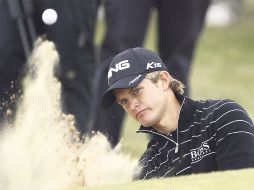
(169,120)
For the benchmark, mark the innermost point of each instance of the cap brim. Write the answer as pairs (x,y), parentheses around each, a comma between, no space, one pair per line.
(109,98)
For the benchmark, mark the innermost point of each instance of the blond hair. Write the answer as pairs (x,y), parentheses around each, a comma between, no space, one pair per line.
(175,85)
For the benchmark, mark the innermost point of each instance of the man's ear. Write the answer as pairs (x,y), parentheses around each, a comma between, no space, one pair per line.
(165,78)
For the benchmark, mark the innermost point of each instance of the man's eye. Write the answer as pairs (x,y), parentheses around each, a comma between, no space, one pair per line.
(137,91)
(122,102)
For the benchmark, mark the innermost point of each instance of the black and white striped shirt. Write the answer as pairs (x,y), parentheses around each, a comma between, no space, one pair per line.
(212,135)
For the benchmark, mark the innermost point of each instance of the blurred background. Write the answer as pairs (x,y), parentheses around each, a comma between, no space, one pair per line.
(223,65)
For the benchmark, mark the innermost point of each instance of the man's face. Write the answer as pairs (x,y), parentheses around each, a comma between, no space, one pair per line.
(146,102)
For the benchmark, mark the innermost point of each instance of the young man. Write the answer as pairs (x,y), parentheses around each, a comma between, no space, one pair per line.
(187,136)
(179,25)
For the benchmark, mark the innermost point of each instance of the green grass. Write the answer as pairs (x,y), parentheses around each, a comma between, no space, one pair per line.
(233,180)
(223,67)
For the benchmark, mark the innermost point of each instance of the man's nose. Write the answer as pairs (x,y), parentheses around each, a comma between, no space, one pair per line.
(134,104)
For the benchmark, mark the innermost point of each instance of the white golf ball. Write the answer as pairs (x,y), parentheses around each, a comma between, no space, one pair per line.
(49,16)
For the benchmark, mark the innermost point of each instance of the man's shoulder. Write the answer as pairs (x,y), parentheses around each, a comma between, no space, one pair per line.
(229,108)
(210,103)
(225,112)
(217,106)
(219,111)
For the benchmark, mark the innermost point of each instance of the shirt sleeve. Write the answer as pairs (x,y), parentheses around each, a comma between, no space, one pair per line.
(234,137)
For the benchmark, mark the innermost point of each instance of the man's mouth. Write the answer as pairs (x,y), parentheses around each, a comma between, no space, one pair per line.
(140,113)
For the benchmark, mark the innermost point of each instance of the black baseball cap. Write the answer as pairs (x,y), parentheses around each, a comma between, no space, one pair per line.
(128,69)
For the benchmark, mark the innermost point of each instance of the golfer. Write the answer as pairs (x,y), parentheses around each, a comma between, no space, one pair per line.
(187,136)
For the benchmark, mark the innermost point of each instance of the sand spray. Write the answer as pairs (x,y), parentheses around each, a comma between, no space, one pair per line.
(42,150)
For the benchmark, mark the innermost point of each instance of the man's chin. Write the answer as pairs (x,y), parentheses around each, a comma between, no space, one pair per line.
(146,124)
(145,121)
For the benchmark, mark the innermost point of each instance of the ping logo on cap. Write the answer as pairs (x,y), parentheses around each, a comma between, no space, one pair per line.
(118,67)
(153,65)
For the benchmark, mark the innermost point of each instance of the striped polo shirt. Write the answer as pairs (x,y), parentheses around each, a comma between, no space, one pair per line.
(211,135)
